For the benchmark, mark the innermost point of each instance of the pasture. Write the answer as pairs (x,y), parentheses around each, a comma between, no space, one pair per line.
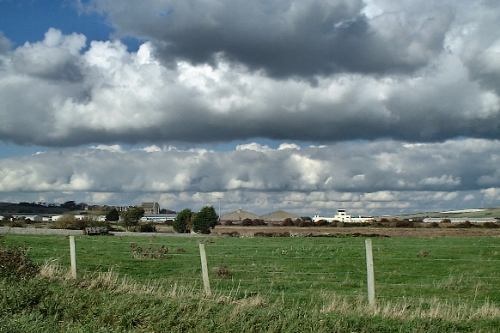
(458,275)
(299,269)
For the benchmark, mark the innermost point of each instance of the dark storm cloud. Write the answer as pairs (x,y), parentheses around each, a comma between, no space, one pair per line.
(70,92)
(67,97)
(286,37)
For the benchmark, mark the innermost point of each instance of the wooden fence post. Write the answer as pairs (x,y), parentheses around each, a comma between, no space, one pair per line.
(72,252)
(370,275)
(204,270)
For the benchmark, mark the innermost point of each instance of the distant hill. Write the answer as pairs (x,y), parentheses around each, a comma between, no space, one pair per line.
(29,208)
(472,213)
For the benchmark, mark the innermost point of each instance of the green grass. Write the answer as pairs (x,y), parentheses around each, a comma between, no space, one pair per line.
(299,270)
(42,305)
(276,285)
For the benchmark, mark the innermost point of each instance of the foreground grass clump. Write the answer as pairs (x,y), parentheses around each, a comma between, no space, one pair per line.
(14,263)
(106,302)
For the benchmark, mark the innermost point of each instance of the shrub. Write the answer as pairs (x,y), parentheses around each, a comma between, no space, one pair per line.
(247,222)
(14,263)
(113,215)
(147,227)
(18,223)
(300,223)
(402,224)
(231,234)
(259,222)
(490,225)
(465,224)
(148,252)
(69,222)
(320,223)
(423,253)
(288,222)
(205,220)
(272,234)
(228,222)
(132,216)
(223,272)
(182,223)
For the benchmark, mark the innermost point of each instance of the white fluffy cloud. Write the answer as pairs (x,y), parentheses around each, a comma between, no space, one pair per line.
(70,93)
(366,177)
(316,78)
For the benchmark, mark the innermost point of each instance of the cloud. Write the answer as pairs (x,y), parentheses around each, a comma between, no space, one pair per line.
(289,37)
(69,93)
(368,177)
(5,43)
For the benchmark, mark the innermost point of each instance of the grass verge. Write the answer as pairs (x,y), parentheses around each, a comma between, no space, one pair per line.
(107,302)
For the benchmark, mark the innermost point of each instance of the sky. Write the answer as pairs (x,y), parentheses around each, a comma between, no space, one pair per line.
(374,106)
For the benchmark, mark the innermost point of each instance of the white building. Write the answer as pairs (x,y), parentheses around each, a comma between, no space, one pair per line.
(342,216)
(158,218)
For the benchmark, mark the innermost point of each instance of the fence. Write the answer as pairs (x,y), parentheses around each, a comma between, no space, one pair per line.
(299,269)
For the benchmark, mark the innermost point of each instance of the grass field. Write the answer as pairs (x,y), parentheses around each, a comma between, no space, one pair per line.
(462,269)
(458,275)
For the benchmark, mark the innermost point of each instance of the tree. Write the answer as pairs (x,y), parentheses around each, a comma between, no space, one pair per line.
(112,215)
(205,219)
(132,216)
(182,223)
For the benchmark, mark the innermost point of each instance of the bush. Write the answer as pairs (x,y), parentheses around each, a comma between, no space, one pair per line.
(69,222)
(182,223)
(223,272)
(288,222)
(465,224)
(300,223)
(14,263)
(272,234)
(228,222)
(402,224)
(321,223)
(132,216)
(147,227)
(490,225)
(205,220)
(113,215)
(259,222)
(246,222)
(138,252)
(17,223)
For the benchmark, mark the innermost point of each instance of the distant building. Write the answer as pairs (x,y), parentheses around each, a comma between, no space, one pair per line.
(158,218)
(150,208)
(342,216)
(121,208)
(30,217)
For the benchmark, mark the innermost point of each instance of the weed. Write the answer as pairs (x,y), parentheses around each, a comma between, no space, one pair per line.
(223,272)
(15,263)
(423,253)
(151,252)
